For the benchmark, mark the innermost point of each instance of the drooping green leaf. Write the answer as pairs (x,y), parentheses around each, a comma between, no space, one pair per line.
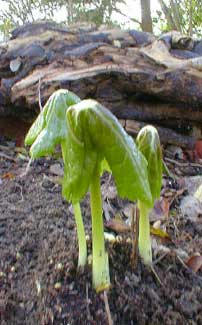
(148,143)
(79,163)
(50,129)
(97,134)
(36,127)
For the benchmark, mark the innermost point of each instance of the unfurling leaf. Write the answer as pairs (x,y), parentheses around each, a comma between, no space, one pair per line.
(49,129)
(148,143)
(95,134)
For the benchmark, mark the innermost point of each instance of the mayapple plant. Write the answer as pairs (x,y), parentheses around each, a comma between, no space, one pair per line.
(90,135)
(95,135)
(49,130)
(148,143)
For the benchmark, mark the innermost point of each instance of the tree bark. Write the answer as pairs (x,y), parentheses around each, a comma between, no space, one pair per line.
(146,16)
(190,17)
(168,15)
(176,15)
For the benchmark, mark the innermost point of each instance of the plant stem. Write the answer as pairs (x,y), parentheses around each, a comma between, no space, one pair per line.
(81,235)
(144,234)
(101,280)
(79,223)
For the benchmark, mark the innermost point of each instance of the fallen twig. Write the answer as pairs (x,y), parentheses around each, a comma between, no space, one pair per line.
(27,168)
(5,148)
(87,303)
(160,258)
(109,317)
(181,164)
(156,276)
(39,94)
(3,155)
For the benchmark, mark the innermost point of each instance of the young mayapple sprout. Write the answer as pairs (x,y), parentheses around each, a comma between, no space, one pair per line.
(49,130)
(148,143)
(91,139)
(94,135)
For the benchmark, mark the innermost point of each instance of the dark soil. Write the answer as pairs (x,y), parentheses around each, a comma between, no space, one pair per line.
(39,281)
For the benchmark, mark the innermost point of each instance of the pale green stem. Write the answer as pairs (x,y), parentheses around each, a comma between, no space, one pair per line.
(81,235)
(79,224)
(101,280)
(144,241)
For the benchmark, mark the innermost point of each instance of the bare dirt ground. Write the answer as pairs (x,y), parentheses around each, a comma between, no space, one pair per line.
(39,281)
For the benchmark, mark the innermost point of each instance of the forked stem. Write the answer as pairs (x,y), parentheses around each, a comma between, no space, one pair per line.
(81,235)
(100,263)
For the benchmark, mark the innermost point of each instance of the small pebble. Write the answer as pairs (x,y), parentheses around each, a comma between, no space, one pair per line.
(128,240)
(58,285)
(87,238)
(51,261)
(18,256)
(60,266)
(2,274)
(119,239)
(90,259)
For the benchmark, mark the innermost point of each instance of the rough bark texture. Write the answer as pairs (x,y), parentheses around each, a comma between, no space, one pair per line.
(146,16)
(138,77)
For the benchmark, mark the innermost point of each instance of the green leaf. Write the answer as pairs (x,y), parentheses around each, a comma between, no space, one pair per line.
(148,143)
(79,164)
(50,129)
(96,135)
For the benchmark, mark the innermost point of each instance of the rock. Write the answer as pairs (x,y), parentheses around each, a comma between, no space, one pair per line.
(191,208)
(192,183)
(198,47)
(198,193)
(57,170)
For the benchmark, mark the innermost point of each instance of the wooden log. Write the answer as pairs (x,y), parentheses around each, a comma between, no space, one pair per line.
(167,136)
(85,81)
(135,75)
(59,56)
(159,112)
